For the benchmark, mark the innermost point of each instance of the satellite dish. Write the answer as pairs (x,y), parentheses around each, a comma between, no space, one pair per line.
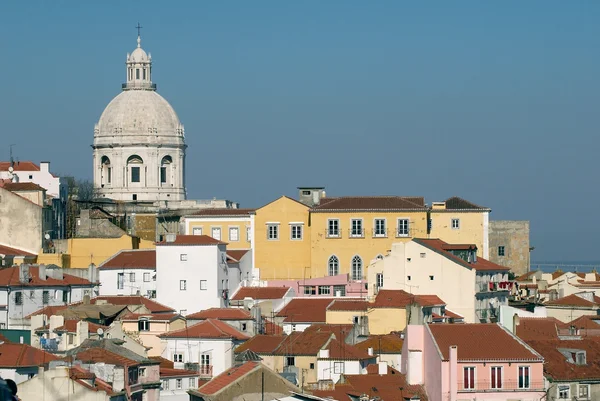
(47,236)
(100,331)
(250,305)
(11,169)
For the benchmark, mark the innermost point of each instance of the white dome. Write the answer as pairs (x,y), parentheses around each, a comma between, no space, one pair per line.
(139,112)
(138,56)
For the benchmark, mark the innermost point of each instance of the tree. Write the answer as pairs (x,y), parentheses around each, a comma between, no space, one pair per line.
(79,193)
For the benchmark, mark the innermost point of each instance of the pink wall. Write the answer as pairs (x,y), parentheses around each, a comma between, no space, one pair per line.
(353,289)
(436,373)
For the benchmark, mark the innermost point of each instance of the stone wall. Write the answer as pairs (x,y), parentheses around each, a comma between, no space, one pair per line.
(21,221)
(514,237)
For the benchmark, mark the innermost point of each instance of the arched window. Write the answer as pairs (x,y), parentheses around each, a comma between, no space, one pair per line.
(133,163)
(357,265)
(106,170)
(334,266)
(165,169)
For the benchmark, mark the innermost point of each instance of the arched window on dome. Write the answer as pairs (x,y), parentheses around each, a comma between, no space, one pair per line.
(357,267)
(166,172)
(334,266)
(134,165)
(105,171)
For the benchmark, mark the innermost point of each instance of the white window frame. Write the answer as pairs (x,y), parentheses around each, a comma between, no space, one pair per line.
(147,277)
(324,290)
(398,233)
(379,280)
(132,277)
(358,232)
(565,387)
(500,385)
(362,267)
(178,357)
(165,384)
(375,228)
(215,230)
(300,228)
(334,233)
(203,285)
(472,385)
(145,323)
(183,257)
(273,231)
(192,382)
(120,283)
(178,384)
(579,387)
(453,225)
(338,368)
(329,265)
(197,230)
(182,285)
(525,385)
(248,234)
(236,230)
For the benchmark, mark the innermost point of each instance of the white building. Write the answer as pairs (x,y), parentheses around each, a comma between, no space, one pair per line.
(176,383)
(192,273)
(27,171)
(139,146)
(129,272)
(206,347)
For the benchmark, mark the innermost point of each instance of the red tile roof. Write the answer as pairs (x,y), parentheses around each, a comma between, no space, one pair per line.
(151,305)
(305,310)
(14,355)
(456,203)
(575,300)
(526,277)
(131,259)
(480,341)
(271,327)
(340,351)
(167,372)
(304,343)
(261,344)
(260,293)
(441,247)
(341,331)
(191,240)
(22,186)
(401,299)
(95,355)
(9,276)
(558,367)
(227,378)
(588,322)
(384,344)
(7,250)
(532,328)
(70,326)
(210,328)
(223,212)
(221,314)
(48,311)
(157,317)
(371,203)
(20,166)
(348,305)
(236,254)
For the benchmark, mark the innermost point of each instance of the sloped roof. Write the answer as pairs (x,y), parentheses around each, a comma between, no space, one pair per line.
(480,341)
(372,203)
(247,355)
(20,166)
(221,314)
(237,254)
(384,344)
(442,248)
(131,259)
(261,344)
(260,293)
(340,351)
(7,250)
(456,203)
(9,276)
(558,367)
(22,186)
(271,327)
(303,343)
(228,377)
(532,328)
(588,322)
(305,310)
(169,372)
(157,317)
(574,300)
(107,350)
(70,326)
(210,328)
(191,240)
(340,331)
(401,299)
(151,305)
(14,355)
(348,305)
(218,212)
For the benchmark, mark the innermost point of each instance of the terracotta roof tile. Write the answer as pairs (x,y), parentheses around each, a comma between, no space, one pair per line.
(9,276)
(340,331)
(22,355)
(48,311)
(221,314)
(387,386)
(131,259)
(227,378)
(341,392)
(305,310)
(348,305)
(340,351)
(70,326)
(168,372)
(237,254)
(372,203)
(271,327)
(526,277)
(558,367)
(20,166)
(157,317)
(7,250)
(260,293)
(480,341)
(210,328)
(151,305)
(261,344)
(191,240)
(384,344)
(95,355)
(22,186)
(304,343)
(401,299)
(456,203)
(587,322)
(575,300)
(443,248)
(223,212)
(531,328)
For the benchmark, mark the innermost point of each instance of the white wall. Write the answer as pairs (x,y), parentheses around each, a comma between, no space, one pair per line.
(204,262)
(289,327)
(220,351)
(507,314)
(109,277)
(172,393)
(20,375)
(21,222)
(43,178)
(326,369)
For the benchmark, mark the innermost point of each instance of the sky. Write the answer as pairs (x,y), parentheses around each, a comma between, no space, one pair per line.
(495,102)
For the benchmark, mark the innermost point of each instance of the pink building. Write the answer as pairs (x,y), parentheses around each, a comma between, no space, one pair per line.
(472,361)
(328,286)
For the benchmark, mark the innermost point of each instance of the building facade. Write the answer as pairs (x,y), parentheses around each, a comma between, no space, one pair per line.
(509,245)
(129,272)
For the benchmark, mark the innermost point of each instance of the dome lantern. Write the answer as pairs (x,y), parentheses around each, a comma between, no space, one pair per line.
(139,69)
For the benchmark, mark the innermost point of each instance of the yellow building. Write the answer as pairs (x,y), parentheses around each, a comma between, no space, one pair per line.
(233,226)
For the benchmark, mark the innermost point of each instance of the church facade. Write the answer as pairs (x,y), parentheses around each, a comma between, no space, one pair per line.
(139,142)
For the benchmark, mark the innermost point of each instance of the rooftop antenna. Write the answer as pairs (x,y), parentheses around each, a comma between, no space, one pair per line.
(12,162)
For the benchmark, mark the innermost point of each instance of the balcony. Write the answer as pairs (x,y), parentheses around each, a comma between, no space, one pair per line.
(333,233)
(206,371)
(493,286)
(511,386)
(356,233)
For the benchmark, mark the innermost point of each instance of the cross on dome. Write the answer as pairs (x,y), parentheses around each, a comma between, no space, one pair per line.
(139,38)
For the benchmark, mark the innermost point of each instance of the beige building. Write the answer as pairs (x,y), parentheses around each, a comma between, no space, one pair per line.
(233,226)
(573,306)
(146,328)
(509,245)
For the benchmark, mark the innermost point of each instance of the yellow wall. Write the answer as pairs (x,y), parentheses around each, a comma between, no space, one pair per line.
(207,224)
(341,317)
(282,258)
(150,338)
(470,231)
(386,320)
(59,259)
(301,362)
(346,247)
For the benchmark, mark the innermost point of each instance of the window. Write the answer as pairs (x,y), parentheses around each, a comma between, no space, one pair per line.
(341,289)
(216,233)
(135,174)
(163,175)
(306,193)
(379,280)
(144,71)
(564,392)
(583,391)
(151,293)
(312,366)
(177,357)
(197,231)
(134,196)
(379,257)
(132,277)
(324,290)
(183,257)
(423,254)
(244,326)
(165,384)
(143,325)
(137,73)
(333,228)
(496,377)
(192,382)
(501,250)
(431,278)
(310,290)
(178,384)
(205,359)
(338,367)
(248,234)
(120,281)
(334,266)
(469,378)
(380,230)
(580,358)
(296,231)
(408,278)
(30,177)
(403,227)
(18,298)
(455,224)
(429,225)
(71,339)
(65,296)
(146,277)
(203,285)
(357,228)
(234,234)
(183,312)
(356,268)
(294,327)
(182,285)
(523,376)
(142,372)
(45,297)
(290,361)
(272,231)
(109,178)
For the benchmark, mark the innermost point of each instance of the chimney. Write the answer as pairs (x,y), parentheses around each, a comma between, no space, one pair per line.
(83,331)
(453,374)
(171,237)
(92,273)
(24,273)
(382,368)
(55,322)
(86,299)
(370,351)
(45,167)
(311,196)
(516,322)
(42,272)
(324,353)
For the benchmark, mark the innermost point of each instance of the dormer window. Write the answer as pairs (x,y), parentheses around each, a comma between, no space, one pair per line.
(580,358)
(143,325)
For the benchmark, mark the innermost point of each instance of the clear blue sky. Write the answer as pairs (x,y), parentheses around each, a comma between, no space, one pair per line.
(496,102)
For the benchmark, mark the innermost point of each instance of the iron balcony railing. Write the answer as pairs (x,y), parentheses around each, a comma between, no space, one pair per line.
(523,384)
(205,371)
